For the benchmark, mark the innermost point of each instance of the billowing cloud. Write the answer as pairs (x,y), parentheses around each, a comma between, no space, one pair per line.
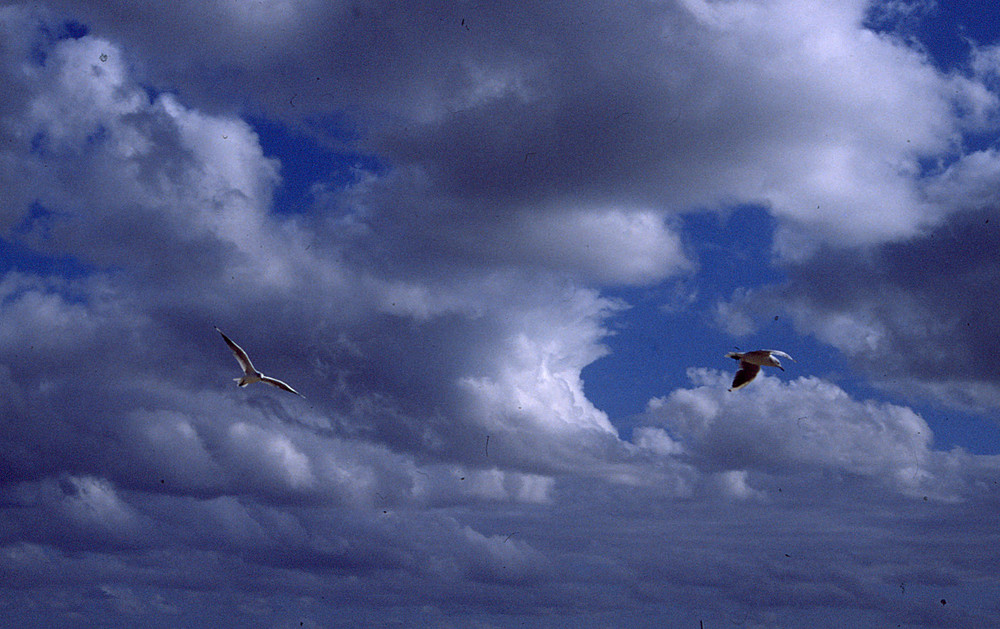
(656,106)
(801,428)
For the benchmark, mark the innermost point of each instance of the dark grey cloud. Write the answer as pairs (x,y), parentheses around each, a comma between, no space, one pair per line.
(577,556)
(916,316)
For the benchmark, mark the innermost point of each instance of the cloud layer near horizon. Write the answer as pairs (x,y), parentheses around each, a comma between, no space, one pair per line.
(437,312)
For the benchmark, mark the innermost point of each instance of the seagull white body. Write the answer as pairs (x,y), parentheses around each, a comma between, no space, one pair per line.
(751,362)
(251,375)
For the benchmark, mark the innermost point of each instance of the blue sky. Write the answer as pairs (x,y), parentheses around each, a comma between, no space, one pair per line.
(502,249)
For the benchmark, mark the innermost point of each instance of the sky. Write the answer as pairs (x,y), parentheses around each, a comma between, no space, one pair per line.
(502,250)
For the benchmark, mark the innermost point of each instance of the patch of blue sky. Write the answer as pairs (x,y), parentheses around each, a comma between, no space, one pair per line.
(152,93)
(947,31)
(306,161)
(668,327)
(57,272)
(36,223)
(976,141)
(47,35)
(42,145)
(951,428)
(655,343)
(950,27)
(17,254)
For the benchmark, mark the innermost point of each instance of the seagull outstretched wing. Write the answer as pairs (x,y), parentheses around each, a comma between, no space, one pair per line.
(274,382)
(775,352)
(241,356)
(746,373)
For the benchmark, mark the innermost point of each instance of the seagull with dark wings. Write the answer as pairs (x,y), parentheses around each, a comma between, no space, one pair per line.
(751,362)
(251,375)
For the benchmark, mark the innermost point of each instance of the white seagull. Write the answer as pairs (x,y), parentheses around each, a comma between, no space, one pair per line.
(251,375)
(751,362)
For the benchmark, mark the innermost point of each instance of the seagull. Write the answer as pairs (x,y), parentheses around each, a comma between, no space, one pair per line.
(251,375)
(750,364)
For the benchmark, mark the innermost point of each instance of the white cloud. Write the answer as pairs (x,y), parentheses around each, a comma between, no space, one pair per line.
(92,502)
(969,183)
(502,557)
(793,105)
(857,333)
(534,375)
(906,315)
(152,186)
(656,439)
(173,452)
(270,457)
(734,483)
(978,396)
(448,485)
(83,84)
(806,426)
(607,246)
(732,316)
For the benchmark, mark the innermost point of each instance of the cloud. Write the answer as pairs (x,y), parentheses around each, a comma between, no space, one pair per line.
(658,107)
(909,315)
(438,310)
(803,427)
(172,197)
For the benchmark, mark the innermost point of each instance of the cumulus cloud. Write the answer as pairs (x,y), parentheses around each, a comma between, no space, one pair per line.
(166,210)
(657,106)
(805,426)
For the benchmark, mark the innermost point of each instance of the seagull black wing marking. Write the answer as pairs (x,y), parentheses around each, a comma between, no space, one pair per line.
(746,373)
(241,356)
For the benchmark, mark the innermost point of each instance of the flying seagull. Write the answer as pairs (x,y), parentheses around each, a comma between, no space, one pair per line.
(751,362)
(251,375)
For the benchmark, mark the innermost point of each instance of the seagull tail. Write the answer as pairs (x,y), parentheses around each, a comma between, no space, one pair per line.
(735,355)
(241,382)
